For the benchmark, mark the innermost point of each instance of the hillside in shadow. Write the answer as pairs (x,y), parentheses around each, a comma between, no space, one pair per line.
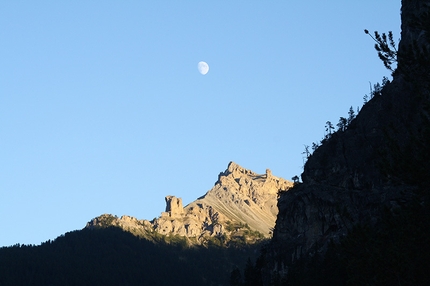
(111,256)
(361,216)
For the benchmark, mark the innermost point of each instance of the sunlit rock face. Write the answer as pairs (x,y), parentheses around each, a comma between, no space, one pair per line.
(174,206)
(375,165)
(239,197)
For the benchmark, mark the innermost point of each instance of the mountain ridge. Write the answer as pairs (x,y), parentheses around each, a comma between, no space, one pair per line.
(241,202)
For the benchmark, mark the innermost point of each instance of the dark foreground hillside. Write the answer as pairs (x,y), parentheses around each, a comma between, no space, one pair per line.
(361,216)
(396,251)
(114,257)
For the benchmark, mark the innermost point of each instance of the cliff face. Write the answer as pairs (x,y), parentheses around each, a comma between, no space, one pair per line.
(380,162)
(241,201)
(390,134)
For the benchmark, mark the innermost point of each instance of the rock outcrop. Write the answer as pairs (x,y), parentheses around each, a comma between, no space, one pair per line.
(174,206)
(377,164)
(239,199)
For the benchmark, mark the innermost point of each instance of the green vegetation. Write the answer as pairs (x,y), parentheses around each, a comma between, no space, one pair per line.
(242,234)
(110,256)
(216,241)
(233,226)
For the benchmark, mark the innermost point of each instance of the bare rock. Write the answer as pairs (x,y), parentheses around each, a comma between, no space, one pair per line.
(174,206)
(239,198)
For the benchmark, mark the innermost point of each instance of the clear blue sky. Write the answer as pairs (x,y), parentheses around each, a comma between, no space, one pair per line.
(103,110)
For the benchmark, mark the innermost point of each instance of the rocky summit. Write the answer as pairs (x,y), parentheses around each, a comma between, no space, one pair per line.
(241,202)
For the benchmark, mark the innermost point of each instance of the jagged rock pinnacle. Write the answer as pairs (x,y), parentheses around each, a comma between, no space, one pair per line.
(174,206)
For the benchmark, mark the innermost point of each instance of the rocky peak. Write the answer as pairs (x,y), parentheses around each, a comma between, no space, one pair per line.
(243,196)
(233,171)
(241,201)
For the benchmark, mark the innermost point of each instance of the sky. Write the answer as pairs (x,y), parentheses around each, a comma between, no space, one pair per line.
(103,109)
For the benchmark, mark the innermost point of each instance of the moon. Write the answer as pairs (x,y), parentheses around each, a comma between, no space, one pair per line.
(203,68)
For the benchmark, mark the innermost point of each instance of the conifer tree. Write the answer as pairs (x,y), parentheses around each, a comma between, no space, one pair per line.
(343,123)
(351,115)
(386,48)
(328,129)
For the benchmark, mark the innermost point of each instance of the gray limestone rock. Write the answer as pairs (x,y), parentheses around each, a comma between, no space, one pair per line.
(240,197)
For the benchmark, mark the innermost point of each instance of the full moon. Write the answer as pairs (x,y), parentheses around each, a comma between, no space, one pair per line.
(203,68)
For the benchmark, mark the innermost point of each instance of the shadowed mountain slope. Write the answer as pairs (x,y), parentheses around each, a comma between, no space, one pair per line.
(376,168)
(111,256)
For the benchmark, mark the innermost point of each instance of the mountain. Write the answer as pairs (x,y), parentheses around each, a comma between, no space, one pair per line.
(361,214)
(199,244)
(241,205)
